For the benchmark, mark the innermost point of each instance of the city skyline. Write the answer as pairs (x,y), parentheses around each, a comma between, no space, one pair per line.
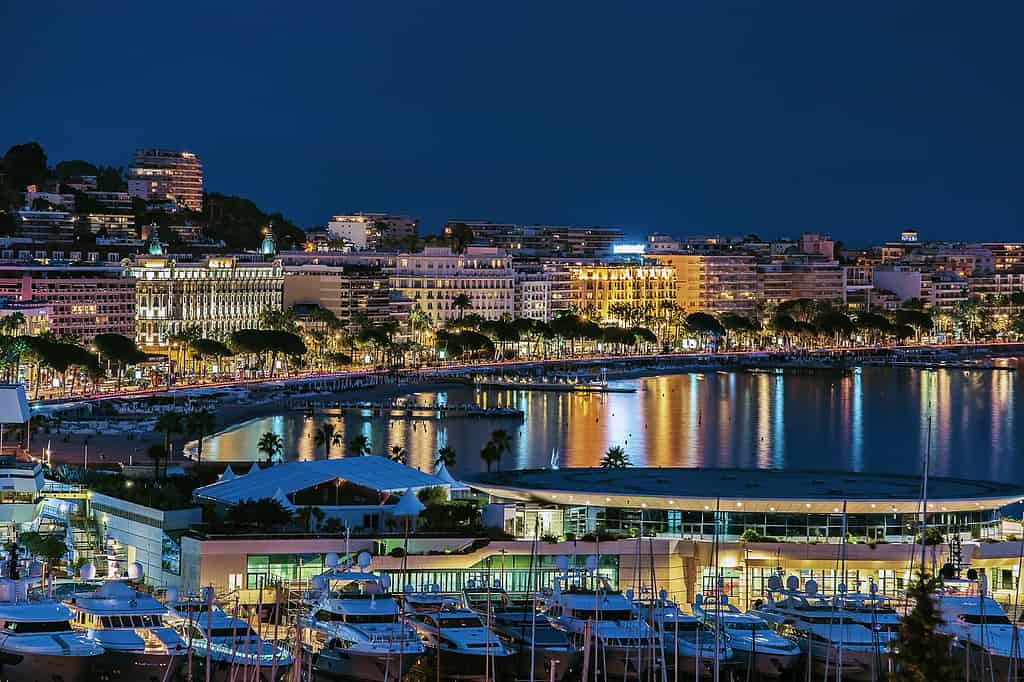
(685,120)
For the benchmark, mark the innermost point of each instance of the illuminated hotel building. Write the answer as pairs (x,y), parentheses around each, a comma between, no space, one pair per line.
(345,290)
(218,296)
(82,300)
(162,175)
(434,278)
(713,282)
(599,290)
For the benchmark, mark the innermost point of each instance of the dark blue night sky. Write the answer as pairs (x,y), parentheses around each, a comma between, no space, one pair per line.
(686,117)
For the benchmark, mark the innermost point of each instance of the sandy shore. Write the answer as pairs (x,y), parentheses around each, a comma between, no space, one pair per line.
(109,450)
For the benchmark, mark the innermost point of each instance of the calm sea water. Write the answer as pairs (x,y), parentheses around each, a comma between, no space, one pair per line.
(872,420)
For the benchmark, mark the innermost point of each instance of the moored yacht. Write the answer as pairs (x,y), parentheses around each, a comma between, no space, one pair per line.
(594,615)
(353,627)
(984,639)
(232,646)
(129,625)
(37,641)
(755,645)
(683,642)
(828,635)
(462,646)
(535,644)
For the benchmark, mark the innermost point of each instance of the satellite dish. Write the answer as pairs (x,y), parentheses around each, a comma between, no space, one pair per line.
(172,595)
(562,562)
(331,559)
(591,563)
(792,583)
(699,599)
(364,560)
(841,588)
(774,583)
(88,571)
(811,587)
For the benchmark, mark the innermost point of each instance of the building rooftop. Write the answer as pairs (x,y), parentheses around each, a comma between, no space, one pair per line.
(759,490)
(376,473)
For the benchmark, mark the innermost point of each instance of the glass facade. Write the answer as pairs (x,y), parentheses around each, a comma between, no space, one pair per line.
(514,572)
(697,525)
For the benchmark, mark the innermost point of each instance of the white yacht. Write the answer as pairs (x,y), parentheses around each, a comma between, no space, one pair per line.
(21,495)
(129,625)
(37,641)
(534,642)
(830,636)
(233,647)
(430,600)
(984,638)
(597,617)
(755,645)
(684,643)
(461,645)
(353,627)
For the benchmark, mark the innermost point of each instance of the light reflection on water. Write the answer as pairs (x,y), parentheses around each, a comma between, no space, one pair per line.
(870,420)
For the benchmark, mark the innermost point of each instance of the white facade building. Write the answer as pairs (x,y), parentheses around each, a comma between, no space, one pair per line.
(435,278)
(368,231)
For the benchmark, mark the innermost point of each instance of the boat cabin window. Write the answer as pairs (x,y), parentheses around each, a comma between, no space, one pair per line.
(461,622)
(603,614)
(747,627)
(988,619)
(682,626)
(329,616)
(34,627)
(240,631)
(110,622)
(546,635)
(370,618)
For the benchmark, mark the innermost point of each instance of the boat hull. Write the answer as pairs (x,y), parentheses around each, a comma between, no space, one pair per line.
(857,665)
(766,665)
(464,666)
(115,666)
(220,671)
(338,664)
(620,662)
(564,662)
(18,667)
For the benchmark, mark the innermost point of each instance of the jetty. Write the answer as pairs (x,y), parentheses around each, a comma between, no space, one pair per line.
(401,410)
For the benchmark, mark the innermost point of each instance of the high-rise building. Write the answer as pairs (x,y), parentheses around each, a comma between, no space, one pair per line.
(543,289)
(218,296)
(164,175)
(82,300)
(437,277)
(784,278)
(565,241)
(45,226)
(713,282)
(346,290)
(372,231)
(621,291)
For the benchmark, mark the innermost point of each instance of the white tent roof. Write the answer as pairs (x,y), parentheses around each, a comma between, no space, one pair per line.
(254,468)
(445,476)
(228,475)
(376,473)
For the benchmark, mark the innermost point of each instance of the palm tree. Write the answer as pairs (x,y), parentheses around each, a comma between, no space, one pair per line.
(462,303)
(398,454)
(489,454)
(270,444)
(359,446)
(502,443)
(200,423)
(168,422)
(446,456)
(326,437)
(615,458)
(156,453)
